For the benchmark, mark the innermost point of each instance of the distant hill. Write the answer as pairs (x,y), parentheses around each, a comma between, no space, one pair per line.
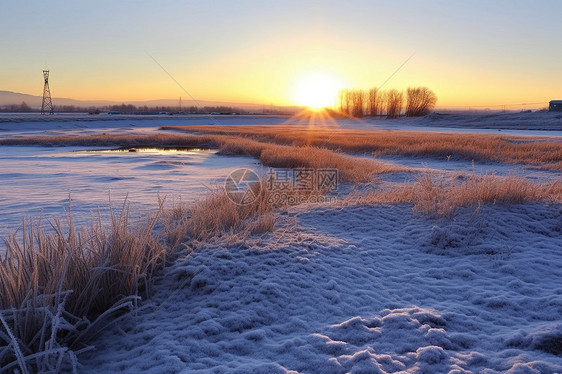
(15,98)
(11,98)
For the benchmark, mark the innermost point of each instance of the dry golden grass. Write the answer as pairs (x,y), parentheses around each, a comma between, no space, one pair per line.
(213,216)
(351,169)
(550,166)
(503,190)
(543,151)
(59,289)
(117,140)
(252,140)
(241,146)
(262,224)
(217,215)
(441,198)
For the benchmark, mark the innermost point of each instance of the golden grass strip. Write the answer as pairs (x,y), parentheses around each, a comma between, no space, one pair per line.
(546,152)
(438,197)
(468,146)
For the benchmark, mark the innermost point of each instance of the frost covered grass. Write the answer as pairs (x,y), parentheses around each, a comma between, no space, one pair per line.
(216,216)
(59,289)
(543,151)
(441,198)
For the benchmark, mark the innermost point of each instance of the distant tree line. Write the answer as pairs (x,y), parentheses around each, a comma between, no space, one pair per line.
(131,109)
(124,108)
(16,108)
(375,102)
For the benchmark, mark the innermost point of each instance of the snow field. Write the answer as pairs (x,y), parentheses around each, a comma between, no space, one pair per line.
(364,289)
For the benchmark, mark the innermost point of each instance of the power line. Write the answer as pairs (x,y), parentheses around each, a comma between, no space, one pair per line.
(490,106)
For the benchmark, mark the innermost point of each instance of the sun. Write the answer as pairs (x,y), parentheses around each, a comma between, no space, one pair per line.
(316,90)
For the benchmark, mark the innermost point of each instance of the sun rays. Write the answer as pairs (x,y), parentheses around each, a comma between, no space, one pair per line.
(317,120)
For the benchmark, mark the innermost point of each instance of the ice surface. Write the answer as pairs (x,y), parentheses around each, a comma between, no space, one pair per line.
(39,180)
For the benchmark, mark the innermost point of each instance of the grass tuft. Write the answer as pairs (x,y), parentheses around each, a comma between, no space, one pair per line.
(59,289)
(217,215)
(441,198)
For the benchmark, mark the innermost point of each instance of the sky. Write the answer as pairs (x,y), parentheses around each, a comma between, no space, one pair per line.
(470,53)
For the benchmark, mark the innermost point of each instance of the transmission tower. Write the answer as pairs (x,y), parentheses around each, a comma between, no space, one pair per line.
(47,104)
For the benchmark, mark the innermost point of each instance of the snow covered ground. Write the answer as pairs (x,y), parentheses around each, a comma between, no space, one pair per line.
(449,166)
(364,289)
(361,289)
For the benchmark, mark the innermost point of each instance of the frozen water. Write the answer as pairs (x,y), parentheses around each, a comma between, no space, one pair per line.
(38,181)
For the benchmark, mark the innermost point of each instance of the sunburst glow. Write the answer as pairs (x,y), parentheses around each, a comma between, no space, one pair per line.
(316,90)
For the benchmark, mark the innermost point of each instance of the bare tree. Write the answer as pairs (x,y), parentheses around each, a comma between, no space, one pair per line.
(381,102)
(24,107)
(376,102)
(372,102)
(420,101)
(357,100)
(380,105)
(345,101)
(395,100)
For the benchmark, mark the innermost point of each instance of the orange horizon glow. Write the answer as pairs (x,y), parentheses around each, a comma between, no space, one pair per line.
(300,84)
